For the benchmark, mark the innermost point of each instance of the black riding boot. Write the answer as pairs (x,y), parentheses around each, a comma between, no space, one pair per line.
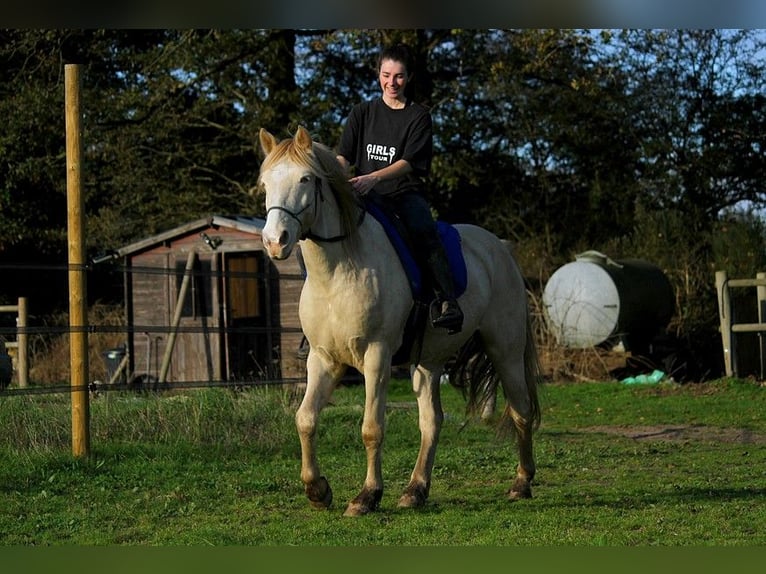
(445,312)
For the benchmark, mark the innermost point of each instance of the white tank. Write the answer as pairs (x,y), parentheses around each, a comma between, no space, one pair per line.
(594,299)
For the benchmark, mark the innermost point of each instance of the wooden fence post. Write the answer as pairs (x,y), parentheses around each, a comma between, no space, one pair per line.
(761,293)
(78,311)
(21,344)
(724,317)
(22,366)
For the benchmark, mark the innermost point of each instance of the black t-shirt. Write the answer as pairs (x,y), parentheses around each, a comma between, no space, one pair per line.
(376,136)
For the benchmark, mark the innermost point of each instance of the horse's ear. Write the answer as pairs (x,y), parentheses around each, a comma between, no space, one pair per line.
(303,138)
(268,141)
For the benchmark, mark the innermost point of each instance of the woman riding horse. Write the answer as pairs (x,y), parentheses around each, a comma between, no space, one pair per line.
(389,142)
(354,307)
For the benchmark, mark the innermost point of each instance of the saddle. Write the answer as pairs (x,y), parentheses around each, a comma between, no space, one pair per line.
(420,286)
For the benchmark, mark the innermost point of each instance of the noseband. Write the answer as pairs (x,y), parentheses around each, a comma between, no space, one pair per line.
(318,196)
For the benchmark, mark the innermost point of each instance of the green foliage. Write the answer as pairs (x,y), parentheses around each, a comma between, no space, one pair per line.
(214,468)
(554,132)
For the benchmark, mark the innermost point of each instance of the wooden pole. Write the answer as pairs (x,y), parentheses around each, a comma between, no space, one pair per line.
(23,346)
(177,316)
(78,313)
(724,316)
(761,294)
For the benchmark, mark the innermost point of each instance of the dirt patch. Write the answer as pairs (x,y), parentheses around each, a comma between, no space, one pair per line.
(683,433)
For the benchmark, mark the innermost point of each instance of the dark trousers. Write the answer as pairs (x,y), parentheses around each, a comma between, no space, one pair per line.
(415,214)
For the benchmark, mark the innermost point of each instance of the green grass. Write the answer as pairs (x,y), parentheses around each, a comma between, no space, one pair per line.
(217,467)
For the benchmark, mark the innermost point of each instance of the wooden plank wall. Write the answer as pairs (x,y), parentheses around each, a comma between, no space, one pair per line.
(201,356)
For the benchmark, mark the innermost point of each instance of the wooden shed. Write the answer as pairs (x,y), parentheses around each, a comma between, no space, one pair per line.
(205,301)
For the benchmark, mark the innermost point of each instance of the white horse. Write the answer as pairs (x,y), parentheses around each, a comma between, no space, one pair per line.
(354,306)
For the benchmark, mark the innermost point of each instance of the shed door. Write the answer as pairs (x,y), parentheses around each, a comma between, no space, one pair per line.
(247,339)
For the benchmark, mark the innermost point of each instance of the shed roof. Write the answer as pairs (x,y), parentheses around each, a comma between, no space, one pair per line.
(239,222)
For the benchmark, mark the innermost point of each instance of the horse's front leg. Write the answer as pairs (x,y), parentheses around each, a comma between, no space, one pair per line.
(377,372)
(320,383)
(425,383)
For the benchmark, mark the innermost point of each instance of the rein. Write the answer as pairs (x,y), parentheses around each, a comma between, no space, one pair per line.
(318,196)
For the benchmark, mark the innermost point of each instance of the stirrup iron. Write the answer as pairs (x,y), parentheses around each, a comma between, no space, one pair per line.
(446,314)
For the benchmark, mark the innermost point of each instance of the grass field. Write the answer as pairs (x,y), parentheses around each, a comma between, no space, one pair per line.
(642,465)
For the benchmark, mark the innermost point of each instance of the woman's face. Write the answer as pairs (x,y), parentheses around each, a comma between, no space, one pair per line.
(393,79)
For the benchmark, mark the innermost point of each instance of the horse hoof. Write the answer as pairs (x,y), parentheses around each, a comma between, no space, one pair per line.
(520,490)
(356,509)
(319,493)
(413,497)
(366,502)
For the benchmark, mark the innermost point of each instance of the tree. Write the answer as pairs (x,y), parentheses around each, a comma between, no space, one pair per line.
(561,140)
(170,121)
(699,114)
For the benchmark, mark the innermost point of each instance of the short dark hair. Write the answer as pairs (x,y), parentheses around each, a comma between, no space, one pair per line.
(398,53)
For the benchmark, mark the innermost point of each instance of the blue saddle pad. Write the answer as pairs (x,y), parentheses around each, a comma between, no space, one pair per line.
(450,239)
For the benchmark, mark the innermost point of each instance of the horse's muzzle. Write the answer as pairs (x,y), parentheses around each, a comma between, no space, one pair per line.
(278,249)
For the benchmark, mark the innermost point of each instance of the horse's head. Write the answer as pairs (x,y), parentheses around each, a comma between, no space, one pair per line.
(298,175)
(292,190)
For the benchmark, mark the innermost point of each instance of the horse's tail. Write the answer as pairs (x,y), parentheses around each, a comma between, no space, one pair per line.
(532,373)
(474,374)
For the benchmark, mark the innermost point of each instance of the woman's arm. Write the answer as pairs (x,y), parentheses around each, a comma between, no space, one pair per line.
(364,183)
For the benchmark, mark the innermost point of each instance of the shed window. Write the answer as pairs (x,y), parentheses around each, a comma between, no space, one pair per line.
(199,296)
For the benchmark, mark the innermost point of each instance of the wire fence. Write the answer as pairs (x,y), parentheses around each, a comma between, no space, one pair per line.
(211,324)
(96,387)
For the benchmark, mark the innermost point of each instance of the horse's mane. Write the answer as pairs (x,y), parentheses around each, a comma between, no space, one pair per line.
(323,163)
(349,202)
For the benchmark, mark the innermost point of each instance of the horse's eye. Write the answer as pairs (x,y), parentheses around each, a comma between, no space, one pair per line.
(305,179)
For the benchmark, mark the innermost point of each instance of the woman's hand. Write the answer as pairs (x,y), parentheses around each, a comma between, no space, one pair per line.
(362,184)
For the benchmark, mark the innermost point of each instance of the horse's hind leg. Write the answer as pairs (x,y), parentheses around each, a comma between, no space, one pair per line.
(509,362)
(425,383)
(525,471)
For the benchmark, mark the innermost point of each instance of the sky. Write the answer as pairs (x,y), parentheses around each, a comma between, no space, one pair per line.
(389,13)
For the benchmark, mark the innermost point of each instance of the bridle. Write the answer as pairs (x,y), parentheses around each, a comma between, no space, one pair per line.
(318,197)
